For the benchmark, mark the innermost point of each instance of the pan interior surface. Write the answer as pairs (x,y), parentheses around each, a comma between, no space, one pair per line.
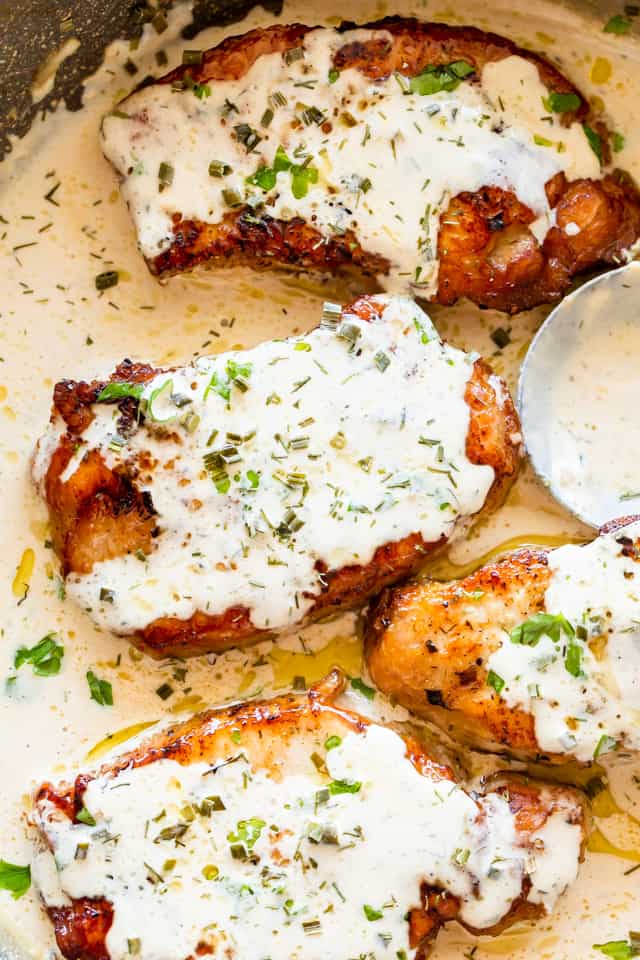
(64,224)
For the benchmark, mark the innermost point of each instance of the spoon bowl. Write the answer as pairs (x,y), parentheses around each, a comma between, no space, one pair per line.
(579,398)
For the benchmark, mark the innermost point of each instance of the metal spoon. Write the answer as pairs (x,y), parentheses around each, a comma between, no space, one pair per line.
(579,398)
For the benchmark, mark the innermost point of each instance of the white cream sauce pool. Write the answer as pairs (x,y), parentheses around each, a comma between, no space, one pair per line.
(353,142)
(581,678)
(55,324)
(306,866)
(265,463)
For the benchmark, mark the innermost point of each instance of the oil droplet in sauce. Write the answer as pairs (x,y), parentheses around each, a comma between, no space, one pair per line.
(114,740)
(22,579)
(342,652)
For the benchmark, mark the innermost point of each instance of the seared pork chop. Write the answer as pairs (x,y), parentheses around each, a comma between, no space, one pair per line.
(203,507)
(537,653)
(420,153)
(293,827)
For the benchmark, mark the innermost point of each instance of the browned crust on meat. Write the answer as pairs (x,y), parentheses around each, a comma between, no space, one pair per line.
(486,249)
(413,45)
(488,254)
(427,645)
(99,514)
(81,928)
(422,649)
(266,728)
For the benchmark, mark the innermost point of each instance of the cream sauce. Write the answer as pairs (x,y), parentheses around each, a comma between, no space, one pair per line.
(579,400)
(54,324)
(362,140)
(582,683)
(270,462)
(306,894)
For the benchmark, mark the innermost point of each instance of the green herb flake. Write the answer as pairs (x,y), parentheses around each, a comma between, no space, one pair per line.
(247,832)
(617,142)
(435,79)
(343,786)
(616,949)
(201,90)
(120,390)
(357,683)
(618,25)
(371,913)
(421,330)
(253,479)
(45,657)
(594,140)
(14,878)
(563,102)
(100,690)
(332,742)
(495,681)
(83,816)
(573,658)
(549,624)
(333,75)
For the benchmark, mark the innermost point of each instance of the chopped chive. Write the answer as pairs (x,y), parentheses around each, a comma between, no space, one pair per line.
(109,278)
(218,168)
(501,337)
(331,314)
(164,691)
(246,135)
(381,361)
(350,332)
(165,175)
(461,856)
(232,198)
(192,58)
(295,53)
(495,681)
(605,744)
